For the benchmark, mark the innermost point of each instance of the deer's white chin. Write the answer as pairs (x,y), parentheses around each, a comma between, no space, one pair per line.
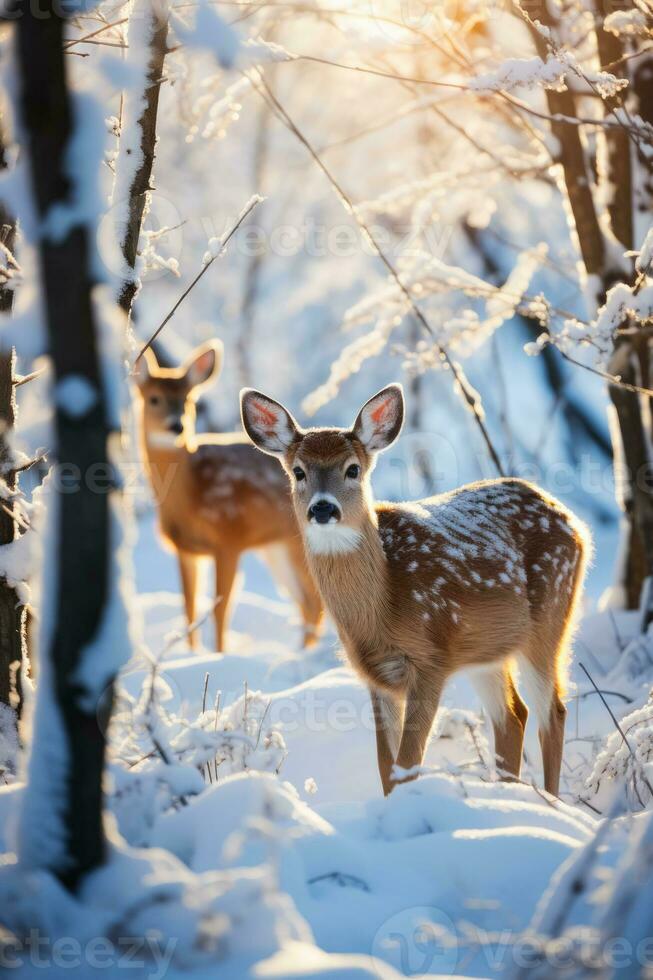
(331,539)
(163,440)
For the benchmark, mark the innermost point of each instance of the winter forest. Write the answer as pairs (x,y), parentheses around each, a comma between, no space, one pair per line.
(254,724)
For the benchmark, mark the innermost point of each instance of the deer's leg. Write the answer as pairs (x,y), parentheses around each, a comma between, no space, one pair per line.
(508,715)
(287,562)
(188,572)
(541,685)
(388,721)
(310,602)
(423,697)
(552,742)
(542,690)
(226,566)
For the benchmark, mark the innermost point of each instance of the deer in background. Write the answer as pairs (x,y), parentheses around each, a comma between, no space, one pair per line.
(216,495)
(484,577)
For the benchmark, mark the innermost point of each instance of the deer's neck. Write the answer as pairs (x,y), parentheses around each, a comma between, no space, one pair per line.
(165,457)
(353,583)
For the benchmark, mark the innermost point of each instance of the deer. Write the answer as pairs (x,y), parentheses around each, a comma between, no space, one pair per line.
(485,578)
(216,495)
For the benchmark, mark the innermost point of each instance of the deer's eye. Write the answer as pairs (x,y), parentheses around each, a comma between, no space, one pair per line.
(299,473)
(154,400)
(353,471)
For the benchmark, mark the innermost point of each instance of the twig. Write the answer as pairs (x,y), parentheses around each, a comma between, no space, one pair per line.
(100,30)
(223,244)
(607,707)
(22,379)
(31,462)
(186,632)
(206,687)
(612,379)
(617,634)
(612,694)
(204,692)
(458,376)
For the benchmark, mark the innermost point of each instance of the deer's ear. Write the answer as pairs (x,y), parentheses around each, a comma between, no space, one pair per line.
(145,367)
(268,424)
(204,363)
(380,419)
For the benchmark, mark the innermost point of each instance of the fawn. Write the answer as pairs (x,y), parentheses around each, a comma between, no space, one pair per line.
(216,495)
(482,577)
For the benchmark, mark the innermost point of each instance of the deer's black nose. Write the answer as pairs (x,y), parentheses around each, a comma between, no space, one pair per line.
(322,511)
(177,428)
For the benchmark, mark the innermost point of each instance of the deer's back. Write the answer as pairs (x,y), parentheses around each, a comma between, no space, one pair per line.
(231,495)
(477,566)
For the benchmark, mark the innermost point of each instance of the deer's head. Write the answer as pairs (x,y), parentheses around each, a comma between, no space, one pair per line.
(169,395)
(329,469)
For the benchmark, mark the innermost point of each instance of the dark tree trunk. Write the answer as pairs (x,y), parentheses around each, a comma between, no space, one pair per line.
(141,185)
(12,613)
(628,360)
(631,356)
(82,516)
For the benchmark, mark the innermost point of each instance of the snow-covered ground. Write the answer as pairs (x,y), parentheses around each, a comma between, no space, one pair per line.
(270,850)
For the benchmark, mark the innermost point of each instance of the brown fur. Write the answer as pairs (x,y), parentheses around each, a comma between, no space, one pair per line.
(216,497)
(471,579)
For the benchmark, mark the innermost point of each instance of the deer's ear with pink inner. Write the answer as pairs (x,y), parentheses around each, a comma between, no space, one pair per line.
(380,419)
(268,424)
(204,363)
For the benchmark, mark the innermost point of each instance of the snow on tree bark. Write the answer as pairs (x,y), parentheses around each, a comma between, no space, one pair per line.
(61,824)
(604,267)
(12,612)
(148,29)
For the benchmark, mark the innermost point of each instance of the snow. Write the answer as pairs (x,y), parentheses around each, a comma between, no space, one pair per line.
(209,31)
(335,871)
(523,73)
(626,22)
(75,395)
(248,836)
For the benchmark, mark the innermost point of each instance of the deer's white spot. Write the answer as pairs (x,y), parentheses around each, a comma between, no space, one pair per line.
(490,687)
(538,689)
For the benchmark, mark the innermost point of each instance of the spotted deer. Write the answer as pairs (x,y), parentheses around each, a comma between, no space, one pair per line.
(485,578)
(216,495)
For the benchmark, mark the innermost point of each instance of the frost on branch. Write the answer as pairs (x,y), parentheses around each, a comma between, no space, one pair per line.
(531,73)
(162,758)
(426,277)
(628,764)
(523,73)
(627,23)
(645,257)
(622,302)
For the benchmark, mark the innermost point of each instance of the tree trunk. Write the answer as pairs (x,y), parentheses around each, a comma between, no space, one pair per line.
(12,612)
(141,184)
(634,448)
(80,548)
(630,359)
